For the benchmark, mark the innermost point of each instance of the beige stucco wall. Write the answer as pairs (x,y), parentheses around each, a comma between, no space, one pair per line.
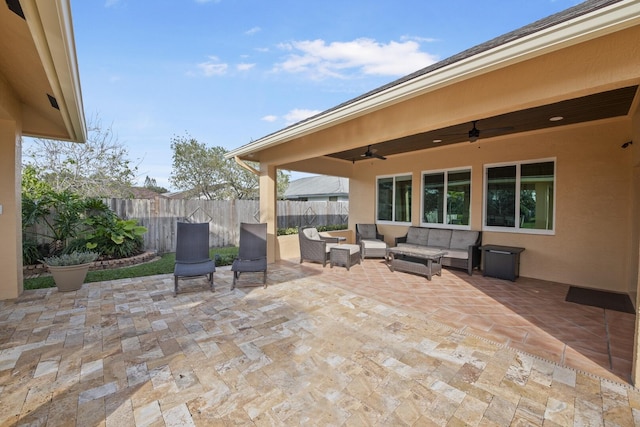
(592,243)
(11,216)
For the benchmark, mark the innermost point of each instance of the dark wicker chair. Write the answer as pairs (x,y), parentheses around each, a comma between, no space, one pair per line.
(371,242)
(315,247)
(192,253)
(252,252)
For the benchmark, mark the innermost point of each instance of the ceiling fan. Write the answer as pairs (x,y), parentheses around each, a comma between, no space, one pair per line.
(371,153)
(474,132)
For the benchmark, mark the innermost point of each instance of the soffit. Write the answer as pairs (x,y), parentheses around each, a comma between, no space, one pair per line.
(603,105)
(38,63)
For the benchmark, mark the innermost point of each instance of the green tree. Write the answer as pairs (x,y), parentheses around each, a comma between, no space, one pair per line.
(98,168)
(204,171)
(151,184)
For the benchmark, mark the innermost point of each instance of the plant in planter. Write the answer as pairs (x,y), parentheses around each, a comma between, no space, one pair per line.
(70,270)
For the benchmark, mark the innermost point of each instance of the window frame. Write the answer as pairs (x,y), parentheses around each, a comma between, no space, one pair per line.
(446,183)
(393,205)
(518,183)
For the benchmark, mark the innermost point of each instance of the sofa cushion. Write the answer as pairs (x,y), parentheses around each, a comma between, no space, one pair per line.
(462,239)
(367,231)
(439,238)
(417,236)
(373,244)
(328,246)
(457,253)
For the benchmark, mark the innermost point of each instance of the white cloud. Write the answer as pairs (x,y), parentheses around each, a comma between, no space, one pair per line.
(253,31)
(419,39)
(109,3)
(213,67)
(245,66)
(270,118)
(342,59)
(298,114)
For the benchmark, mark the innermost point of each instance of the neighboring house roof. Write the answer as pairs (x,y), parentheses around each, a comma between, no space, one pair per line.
(552,33)
(317,186)
(145,193)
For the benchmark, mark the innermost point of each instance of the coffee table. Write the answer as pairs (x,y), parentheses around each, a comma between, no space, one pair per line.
(425,262)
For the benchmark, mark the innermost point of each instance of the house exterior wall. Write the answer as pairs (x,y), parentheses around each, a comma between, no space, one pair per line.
(593,244)
(592,239)
(11,217)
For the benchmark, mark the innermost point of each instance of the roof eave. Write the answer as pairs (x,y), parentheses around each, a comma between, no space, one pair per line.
(51,27)
(598,23)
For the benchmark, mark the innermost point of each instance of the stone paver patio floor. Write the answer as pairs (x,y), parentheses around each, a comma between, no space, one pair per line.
(319,346)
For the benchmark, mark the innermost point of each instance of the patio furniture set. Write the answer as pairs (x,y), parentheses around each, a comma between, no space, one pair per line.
(421,251)
(192,252)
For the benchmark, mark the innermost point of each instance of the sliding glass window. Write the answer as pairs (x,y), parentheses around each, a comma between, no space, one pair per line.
(520,197)
(446,198)
(393,198)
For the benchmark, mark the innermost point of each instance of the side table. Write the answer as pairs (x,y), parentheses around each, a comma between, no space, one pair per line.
(346,255)
(502,262)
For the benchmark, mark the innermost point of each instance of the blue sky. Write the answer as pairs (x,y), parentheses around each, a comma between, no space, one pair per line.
(230,71)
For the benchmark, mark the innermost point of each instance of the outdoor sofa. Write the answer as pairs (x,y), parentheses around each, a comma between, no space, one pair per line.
(462,247)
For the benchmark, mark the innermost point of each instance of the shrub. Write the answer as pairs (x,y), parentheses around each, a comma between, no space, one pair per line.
(73,258)
(294,230)
(66,223)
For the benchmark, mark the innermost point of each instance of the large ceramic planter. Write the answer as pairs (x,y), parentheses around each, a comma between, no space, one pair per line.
(69,277)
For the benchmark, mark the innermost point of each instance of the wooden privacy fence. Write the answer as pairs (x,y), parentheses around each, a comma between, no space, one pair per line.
(160,215)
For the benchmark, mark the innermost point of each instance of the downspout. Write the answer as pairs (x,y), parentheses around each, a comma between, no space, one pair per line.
(246,166)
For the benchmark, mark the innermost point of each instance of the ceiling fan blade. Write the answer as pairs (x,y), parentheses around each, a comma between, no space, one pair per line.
(371,153)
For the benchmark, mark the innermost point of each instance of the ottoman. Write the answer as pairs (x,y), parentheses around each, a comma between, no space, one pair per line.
(345,255)
(373,248)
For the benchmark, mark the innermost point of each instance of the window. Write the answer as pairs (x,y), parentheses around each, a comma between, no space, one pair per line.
(446,198)
(520,197)
(394,198)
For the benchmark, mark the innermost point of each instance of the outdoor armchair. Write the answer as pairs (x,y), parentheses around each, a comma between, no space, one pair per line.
(192,253)
(252,252)
(315,247)
(371,242)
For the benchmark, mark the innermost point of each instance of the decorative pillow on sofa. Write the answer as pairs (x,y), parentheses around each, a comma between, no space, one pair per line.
(417,236)
(462,239)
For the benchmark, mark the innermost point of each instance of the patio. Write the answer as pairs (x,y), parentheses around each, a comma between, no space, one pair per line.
(318,346)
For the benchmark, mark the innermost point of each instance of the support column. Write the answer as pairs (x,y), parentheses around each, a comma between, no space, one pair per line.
(268,207)
(634,285)
(11,285)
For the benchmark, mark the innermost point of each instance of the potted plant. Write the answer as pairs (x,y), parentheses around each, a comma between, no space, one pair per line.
(70,270)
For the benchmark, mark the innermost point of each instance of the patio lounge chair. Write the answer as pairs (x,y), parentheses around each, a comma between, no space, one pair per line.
(371,242)
(252,253)
(315,247)
(192,253)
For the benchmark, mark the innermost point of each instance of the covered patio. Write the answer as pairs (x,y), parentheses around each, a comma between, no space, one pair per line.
(321,346)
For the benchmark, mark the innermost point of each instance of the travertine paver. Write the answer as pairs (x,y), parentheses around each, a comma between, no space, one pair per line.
(306,350)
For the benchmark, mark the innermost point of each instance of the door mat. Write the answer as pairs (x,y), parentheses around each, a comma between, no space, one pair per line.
(603,299)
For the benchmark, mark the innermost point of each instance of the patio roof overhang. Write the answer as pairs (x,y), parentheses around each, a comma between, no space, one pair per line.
(577,25)
(38,66)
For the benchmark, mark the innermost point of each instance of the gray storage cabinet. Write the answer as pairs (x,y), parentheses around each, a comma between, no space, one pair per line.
(502,262)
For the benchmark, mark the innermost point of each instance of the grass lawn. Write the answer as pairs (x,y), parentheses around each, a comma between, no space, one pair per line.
(164,265)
